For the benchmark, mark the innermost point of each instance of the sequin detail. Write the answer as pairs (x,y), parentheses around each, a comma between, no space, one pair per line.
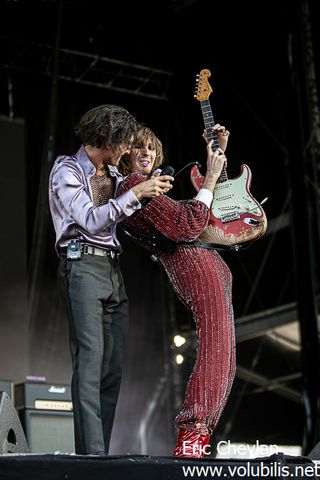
(203,282)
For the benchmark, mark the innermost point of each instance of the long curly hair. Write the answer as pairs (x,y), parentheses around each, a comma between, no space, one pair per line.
(106,125)
(143,136)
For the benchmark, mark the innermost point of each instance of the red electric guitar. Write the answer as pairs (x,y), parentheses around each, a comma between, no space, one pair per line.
(236,218)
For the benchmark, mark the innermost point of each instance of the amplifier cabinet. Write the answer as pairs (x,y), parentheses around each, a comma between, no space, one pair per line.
(46,415)
(48,431)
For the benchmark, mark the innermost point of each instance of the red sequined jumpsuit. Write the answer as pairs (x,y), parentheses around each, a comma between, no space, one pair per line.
(203,282)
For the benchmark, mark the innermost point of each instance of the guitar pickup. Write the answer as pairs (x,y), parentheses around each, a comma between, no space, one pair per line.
(229,217)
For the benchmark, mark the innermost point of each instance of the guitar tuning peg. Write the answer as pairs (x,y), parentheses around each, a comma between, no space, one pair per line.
(263,201)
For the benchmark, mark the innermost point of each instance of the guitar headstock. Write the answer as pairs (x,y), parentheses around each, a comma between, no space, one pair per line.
(203,88)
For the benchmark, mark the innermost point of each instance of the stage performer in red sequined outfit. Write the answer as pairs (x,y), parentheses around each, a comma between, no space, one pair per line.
(201,279)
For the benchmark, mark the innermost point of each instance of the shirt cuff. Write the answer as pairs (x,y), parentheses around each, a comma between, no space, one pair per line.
(206,196)
(128,202)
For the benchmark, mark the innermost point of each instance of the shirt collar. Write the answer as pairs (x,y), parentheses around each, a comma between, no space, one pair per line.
(83,159)
(89,168)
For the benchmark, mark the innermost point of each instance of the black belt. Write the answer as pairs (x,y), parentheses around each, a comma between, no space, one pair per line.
(87,249)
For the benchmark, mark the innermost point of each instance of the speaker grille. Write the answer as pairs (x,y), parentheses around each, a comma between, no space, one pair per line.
(48,431)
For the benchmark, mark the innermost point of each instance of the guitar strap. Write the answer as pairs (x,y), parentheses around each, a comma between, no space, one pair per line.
(216,246)
(152,242)
(159,242)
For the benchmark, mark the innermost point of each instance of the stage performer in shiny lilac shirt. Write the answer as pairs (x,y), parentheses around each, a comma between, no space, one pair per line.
(85,215)
(199,276)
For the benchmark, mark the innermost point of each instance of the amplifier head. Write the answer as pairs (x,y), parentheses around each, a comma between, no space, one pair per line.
(43,396)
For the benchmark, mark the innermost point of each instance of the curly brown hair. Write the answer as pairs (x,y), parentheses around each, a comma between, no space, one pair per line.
(106,125)
(144,135)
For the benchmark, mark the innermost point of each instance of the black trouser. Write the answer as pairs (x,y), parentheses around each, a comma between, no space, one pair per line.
(98,313)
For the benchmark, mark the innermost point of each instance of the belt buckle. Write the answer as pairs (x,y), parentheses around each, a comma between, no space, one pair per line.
(112,254)
(87,249)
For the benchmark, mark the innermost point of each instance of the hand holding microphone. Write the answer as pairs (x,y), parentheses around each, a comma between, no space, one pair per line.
(155,186)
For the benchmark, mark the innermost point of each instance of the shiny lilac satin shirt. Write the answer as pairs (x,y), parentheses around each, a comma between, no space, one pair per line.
(73,212)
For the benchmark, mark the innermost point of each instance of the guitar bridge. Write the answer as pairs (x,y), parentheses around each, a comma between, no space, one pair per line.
(229,217)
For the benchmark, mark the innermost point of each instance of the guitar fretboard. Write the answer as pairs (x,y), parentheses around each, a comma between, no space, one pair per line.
(209,123)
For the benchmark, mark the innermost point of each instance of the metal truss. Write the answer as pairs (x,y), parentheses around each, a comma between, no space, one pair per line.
(276,385)
(261,323)
(87,69)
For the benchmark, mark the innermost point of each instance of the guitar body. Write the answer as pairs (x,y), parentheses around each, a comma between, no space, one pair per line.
(236,217)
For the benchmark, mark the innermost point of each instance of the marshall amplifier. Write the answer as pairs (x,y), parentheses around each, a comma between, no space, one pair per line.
(46,415)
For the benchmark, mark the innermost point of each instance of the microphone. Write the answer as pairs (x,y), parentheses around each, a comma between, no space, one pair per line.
(167,170)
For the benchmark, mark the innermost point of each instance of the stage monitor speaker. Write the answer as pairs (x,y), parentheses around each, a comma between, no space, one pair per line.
(12,436)
(314,454)
(46,415)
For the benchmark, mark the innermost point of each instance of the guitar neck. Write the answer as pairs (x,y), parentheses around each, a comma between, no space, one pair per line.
(209,123)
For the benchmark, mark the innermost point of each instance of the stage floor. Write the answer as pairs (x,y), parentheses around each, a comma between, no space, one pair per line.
(143,467)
